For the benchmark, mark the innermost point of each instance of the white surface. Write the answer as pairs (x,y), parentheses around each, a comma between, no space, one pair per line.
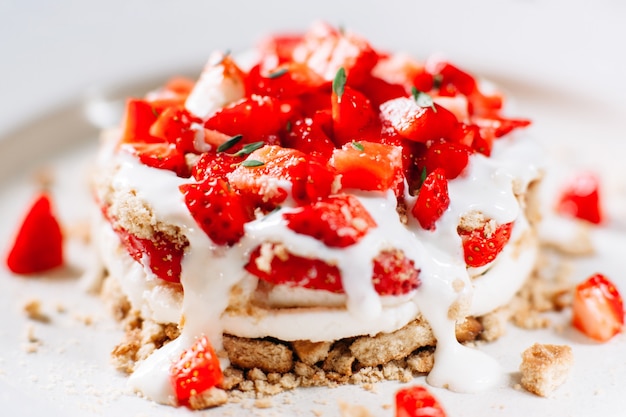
(564,62)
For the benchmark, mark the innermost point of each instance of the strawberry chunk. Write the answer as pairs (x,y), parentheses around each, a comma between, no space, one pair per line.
(432,200)
(338,221)
(175,125)
(38,245)
(394,273)
(195,371)
(416,122)
(369,166)
(289,80)
(161,155)
(481,246)
(597,308)
(580,198)
(417,401)
(353,117)
(451,157)
(218,209)
(308,135)
(139,116)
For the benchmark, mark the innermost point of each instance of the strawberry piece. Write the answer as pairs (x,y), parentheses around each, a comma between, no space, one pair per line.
(308,135)
(218,209)
(379,91)
(353,117)
(417,401)
(481,247)
(278,49)
(338,221)
(296,271)
(174,125)
(139,116)
(432,200)
(214,165)
(471,136)
(160,155)
(497,126)
(451,157)
(369,166)
(418,123)
(289,80)
(394,273)
(38,245)
(580,198)
(597,308)
(196,370)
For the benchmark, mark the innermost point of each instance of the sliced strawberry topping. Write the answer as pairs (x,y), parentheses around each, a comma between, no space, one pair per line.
(160,155)
(416,122)
(218,209)
(214,165)
(481,246)
(338,221)
(417,401)
(174,125)
(354,118)
(309,136)
(197,370)
(580,198)
(450,157)
(598,309)
(393,274)
(38,245)
(288,80)
(139,116)
(368,166)
(432,200)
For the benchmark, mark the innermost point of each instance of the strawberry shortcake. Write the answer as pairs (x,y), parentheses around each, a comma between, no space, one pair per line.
(316,212)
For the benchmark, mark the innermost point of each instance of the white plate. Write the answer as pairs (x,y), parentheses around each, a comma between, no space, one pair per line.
(69,374)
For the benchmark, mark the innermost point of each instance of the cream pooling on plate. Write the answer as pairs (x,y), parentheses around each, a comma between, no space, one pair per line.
(445,280)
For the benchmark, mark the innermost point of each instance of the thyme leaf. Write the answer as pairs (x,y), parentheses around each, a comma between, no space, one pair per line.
(229,143)
(339,83)
(358,146)
(277,73)
(249,148)
(423,99)
(252,163)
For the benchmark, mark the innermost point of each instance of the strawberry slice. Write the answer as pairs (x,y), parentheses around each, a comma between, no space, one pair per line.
(353,116)
(289,80)
(432,200)
(38,245)
(597,308)
(308,135)
(196,370)
(416,122)
(580,198)
(139,116)
(338,221)
(218,209)
(451,157)
(160,155)
(417,401)
(481,246)
(368,166)
(174,125)
(393,274)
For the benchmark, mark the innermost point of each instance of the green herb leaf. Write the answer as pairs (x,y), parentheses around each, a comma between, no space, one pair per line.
(339,83)
(229,143)
(277,73)
(358,146)
(154,111)
(288,126)
(249,148)
(437,80)
(423,99)
(252,163)
(423,176)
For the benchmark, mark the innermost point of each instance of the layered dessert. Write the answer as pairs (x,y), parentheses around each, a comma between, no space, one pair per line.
(313,212)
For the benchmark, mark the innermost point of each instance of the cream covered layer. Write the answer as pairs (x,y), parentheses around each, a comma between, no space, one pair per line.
(447,292)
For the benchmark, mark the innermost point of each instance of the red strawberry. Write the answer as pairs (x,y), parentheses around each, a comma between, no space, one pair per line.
(160,155)
(174,125)
(417,401)
(451,157)
(598,309)
(581,198)
(289,80)
(218,209)
(418,123)
(498,126)
(214,165)
(368,166)
(481,247)
(432,200)
(308,135)
(338,221)
(138,118)
(394,273)
(38,245)
(354,118)
(197,370)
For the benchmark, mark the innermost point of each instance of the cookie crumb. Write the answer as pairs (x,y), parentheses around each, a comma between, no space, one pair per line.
(350,410)
(545,367)
(32,308)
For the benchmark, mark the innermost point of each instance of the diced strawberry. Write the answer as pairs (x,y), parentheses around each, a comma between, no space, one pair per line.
(379,91)
(325,49)
(164,255)
(451,157)
(418,123)
(471,136)
(218,209)
(174,125)
(498,126)
(180,86)
(195,371)
(432,199)
(289,80)
(580,198)
(368,166)
(160,155)
(354,118)
(452,79)
(338,221)
(38,245)
(278,49)
(481,246)
(312,180)
(255,117)
(139,116)
(597,308)
(417,401)
(214,165)
(308,135)
(394,273)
